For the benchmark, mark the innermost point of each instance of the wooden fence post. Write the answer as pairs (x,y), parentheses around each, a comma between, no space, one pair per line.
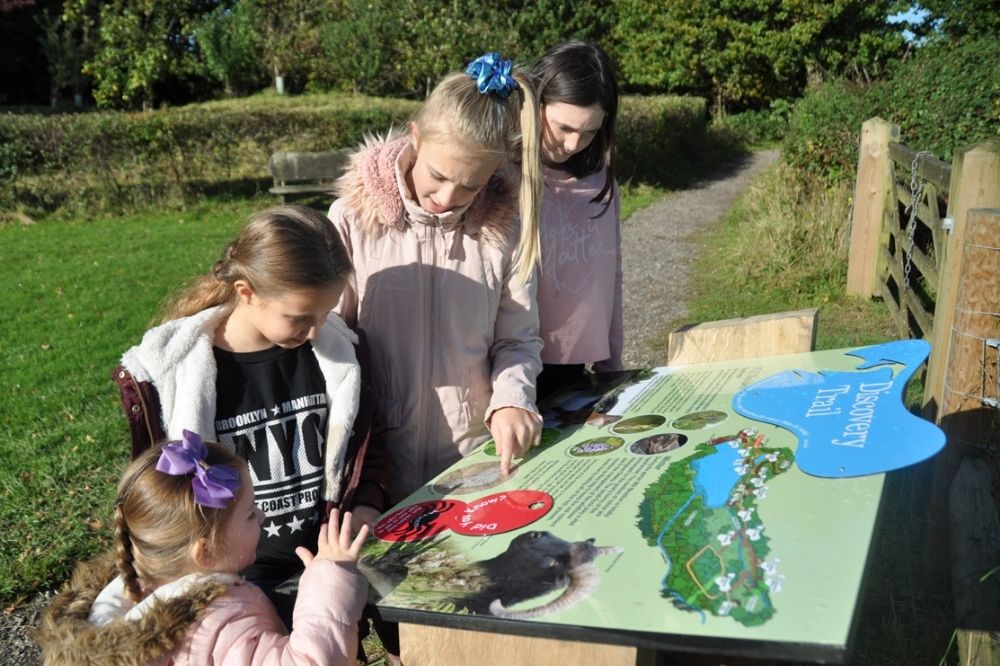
(970,422)
(975,183)
(871,190)
(971,372)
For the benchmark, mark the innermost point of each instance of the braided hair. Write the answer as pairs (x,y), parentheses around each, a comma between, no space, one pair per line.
(157,521)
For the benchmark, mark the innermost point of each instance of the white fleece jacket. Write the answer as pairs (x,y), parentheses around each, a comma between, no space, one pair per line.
(177,358)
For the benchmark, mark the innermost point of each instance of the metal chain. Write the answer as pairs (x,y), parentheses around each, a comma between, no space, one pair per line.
(916,192)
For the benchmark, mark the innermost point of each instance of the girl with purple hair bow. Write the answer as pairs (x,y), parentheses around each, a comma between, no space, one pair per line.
(185,526)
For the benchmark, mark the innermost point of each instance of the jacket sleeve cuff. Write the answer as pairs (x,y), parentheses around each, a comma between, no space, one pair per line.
(371,494)
(518,399)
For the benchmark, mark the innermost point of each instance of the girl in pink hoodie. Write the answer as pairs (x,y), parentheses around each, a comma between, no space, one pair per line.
(185,525)
(580,288)
(445,272)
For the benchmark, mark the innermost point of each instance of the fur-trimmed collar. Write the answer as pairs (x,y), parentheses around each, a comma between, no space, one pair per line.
(374,189)
(177,358)
(68,638)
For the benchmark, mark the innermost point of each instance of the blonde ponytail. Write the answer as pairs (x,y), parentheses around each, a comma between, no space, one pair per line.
(529,245)
(208,291)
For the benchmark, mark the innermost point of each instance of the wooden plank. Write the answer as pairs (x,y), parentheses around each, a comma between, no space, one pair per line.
(302,189)
(916,309)
(929,168)
(870,193)
(898,314)
(978,647)
(925,265)
(424,645)
(975,184)
(893,265)
(750,337)
(971,374)
(902,191)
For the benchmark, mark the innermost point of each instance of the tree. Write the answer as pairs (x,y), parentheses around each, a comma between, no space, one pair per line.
(540,24)
(230,47)
(745,53)
(67,41)
(23,74)
(952,19)
(289,36)
(360,41)
(143,43)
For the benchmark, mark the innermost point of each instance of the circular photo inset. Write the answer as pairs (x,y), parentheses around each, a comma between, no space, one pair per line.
(597,446)
(664,442)
(471,479)
(635,424)
(699,420)
(549,437)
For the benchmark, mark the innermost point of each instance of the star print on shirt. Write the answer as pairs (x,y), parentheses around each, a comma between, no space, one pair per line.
(272,530)
(296,524)
(276,410)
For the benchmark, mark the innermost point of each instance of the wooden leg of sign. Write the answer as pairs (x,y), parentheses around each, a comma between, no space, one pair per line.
(423,645)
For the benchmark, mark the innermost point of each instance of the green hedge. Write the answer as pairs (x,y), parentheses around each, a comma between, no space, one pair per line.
(86,163)
(661,139)
(107,161)
(822,137)
(945,98)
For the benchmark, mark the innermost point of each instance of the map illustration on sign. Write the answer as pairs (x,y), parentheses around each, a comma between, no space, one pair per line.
(703,517)
(707,501)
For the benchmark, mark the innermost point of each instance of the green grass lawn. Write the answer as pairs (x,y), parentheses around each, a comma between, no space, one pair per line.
(76,295)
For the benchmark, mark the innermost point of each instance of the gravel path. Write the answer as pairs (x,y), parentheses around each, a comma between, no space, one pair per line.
(656,241)
(658,246)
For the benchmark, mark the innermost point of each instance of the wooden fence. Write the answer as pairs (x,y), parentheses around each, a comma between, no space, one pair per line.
(911,255)
(907,252)
(942,282)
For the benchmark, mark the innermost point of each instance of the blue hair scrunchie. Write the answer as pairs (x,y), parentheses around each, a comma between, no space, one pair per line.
(492,74)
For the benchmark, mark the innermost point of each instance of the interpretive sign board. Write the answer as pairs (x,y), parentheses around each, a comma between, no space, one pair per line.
(727,507)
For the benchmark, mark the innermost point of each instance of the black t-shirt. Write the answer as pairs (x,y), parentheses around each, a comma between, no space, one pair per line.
(271,407)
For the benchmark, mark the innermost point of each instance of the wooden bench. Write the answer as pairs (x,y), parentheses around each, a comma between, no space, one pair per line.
(300,173)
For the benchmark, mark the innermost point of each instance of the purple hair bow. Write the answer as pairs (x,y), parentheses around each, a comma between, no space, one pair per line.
(492,74)
(214,486)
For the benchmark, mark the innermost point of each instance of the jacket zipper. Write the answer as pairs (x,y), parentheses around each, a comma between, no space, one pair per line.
(145,411)
(435,236)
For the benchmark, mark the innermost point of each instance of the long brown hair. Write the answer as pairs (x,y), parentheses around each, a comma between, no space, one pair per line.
(582,74)
(456,110)
(157,520)
(279,250)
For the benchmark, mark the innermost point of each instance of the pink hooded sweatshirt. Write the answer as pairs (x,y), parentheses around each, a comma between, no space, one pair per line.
(453,336)
(580,289)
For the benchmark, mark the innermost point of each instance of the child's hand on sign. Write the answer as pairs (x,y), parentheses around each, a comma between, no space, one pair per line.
(515,431)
